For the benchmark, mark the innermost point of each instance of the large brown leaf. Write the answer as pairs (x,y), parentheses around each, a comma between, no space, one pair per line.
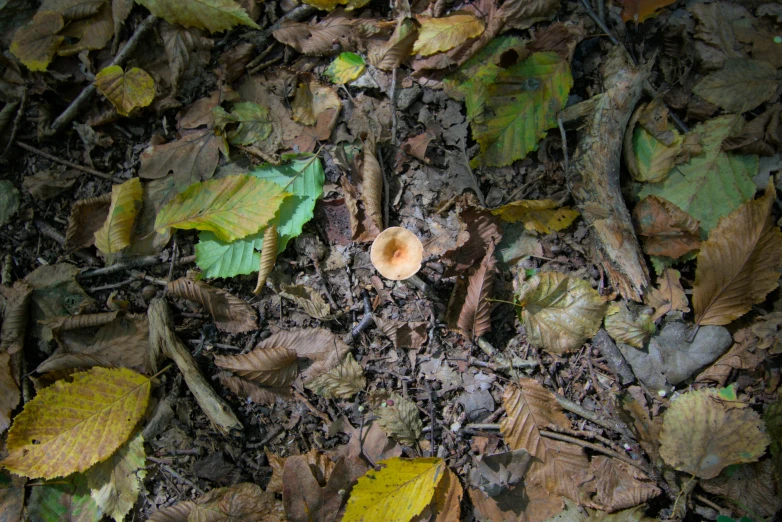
(665,229)
(323,349)
(469,310)
(762,135)
(230,313)
(192,158)
(394,52)
(236,503)
(739,264)
(331,35)
(619,485)
(273,366)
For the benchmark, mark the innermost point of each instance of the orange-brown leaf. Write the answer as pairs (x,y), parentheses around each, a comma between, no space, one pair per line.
(469,308)
(640,10)
(372,186)
(230,313)
(87,217)
(398,48)
(619,485)
(669,295)
(739,264)
(268,257)
(273,366)
(319,345)
(252,390)
(665,229)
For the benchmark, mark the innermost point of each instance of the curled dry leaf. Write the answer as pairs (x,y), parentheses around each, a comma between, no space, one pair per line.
(116,231)
(308,299)
(404,334)
(739,264)
(341,382)
(252,390)
(443,34)
(668,295)
(398,48)
(324,349)
(230,313)
(268,257)
(469,309)
(313,99)
(399,418)
(273,366)
(665,229)
(87,217)
(707,430)
(372,185)
(15,312)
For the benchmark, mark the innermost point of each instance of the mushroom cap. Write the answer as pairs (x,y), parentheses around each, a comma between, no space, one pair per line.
(397,253)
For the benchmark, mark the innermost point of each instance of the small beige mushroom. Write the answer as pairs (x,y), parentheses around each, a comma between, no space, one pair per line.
(397,253)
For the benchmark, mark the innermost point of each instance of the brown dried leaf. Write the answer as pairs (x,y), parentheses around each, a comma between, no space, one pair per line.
(559,37)
(313,99)
(739,264)
(740,85)
(629,325)
(277,464)
(445,505)
(665,229)
(372,186)
(668,295)
(483,229)
(92,33)
(341,382)
(743,355)
(87,217)
(48,184)
(230,313)
(404,334)
(632,408)
(240,502)
(521,14)
(416,145)
(394,52)
(274,366)
(319,345)
(192,158)
(523,502)
(469,309)
(373,441)
(308,299)
(334,34)
(15,312)
(619,485)
(9,392)
(754,487)
(399,418)
(252,390)
(362,228)
(184,46)
(268,256)
(75,322)
(762,135)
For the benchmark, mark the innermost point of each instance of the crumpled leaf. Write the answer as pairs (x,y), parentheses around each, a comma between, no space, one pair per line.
(619,485)
(404,334)
(36,43)
(9,201)
(397,492)
(707,430)
(665,229)
(240,502)
(541,215)
(272,366)
(345,68)
(230,313)
(55,293)
(63,499)
(522,105)
(308,299)
(103,407)
(668,295)
(745,354)
(116,231)
(335,32)
(212,15)
(313,99)
(126,90)
(87,217)
(115,483)
(341,382)
(559,312)
(268,257)
(232,207)
(711,184)
(629,327)
(739,264)
(442,34)
(252,390)
(254,121)
(399,418)
(741,85)
(762,135)
(469,309)
(398,48)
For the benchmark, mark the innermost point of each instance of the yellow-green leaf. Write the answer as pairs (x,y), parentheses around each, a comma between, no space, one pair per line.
(115,483)
(539,215)
(442,34)
(126,90)
(70,426)
(212,15)
(627,326)
(116,231)
(232,207)
(396,493)
(345,68)
(36,43)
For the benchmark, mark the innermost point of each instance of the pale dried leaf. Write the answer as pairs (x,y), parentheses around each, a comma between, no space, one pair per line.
(739,264)
(633,327)
(399,418)
(333,34)
(313,99)
(372,185)
(396,51)
(116,231)
(404,334)
(274,366)
(230,313)
(341,382)
(319,345)
(115,483)
(668,295)
(308,299)
(469,309)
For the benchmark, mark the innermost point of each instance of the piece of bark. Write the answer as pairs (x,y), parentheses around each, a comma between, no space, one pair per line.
(162,339)
(613,356)
(593,176)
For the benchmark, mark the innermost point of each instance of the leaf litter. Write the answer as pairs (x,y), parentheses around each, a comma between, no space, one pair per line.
(529,368)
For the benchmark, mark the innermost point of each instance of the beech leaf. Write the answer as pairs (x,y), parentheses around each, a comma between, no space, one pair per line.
(469,309)
(308,299)
(212,15)
(629,327)
(230,313)
(63,499)
(739,264)
(542,215)
(70,426)
(116,231)
(345,68)
(397,492)
(232,207)
(36,43)
(273,366)
(442,34)
(254,121)
(126,90)
(341,382)
(240,502)
(399,418)
(707,430)
(398,48)
(740,86)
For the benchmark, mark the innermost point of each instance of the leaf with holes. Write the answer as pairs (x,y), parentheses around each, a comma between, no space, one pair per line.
(126,90)
(345,68)
(68,427)
(442,34)
(273,366)
(212,15)
(116,231)
(341,382)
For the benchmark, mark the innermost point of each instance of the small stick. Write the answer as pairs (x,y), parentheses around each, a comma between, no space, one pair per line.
(368,319)
(432,448)
(564,141)
(323,282)
(17,122)
(129,264)
(325,418)
(162,464)
(579,410)
(393,108)
(595,447)
(113,285)
(263,54)
(67,163)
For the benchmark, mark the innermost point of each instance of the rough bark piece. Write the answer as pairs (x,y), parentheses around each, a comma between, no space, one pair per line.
(593,176)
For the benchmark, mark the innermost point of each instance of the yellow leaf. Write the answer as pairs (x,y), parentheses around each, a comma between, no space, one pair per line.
(539,215)
(232,207)
(312,100)
(36,43)
(212,15)
(115,233)
(126,90)
(345,68)
(442,34)
(704,433)
(739,264)
(330,5)
(68,427)
(396,493)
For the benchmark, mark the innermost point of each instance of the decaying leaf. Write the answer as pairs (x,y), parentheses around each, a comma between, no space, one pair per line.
(268,256)
(542,216)
(404,334)
(254,123)
(324,349)
(244,501)
(63,499)
(87,217)
(745,354)
(116,231)
(345,68)
(629,327)
(126,90)
(15,312)
(394,52)
(707,430)
(9,392)
(212,15)
(336,31)
(399,418)
(308,299)
(640,10)
(665,229)
(36,43)
(397,492)
(741,85)
(754,487)
(668,295)
(762,135)
(739,264)
(232,207)
(103,407)
(341,382)
(313,99)
(372,185)
(115,483)
(619,485)
(559,312)
(469,309)
(252,390)
(230,313)
(442,34)
(273,366)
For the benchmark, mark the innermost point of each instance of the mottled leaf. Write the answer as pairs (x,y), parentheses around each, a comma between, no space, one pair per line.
(36,43)
(629,327)
(313,99)
(541,215)
(341,382)
(399,418)
(345,68)
(115,483)
(254,121)
(126,90)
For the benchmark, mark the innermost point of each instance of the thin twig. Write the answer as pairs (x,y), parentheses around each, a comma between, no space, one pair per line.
(65,162)
(162,464)
(325,418)
(594,16)
(112,286)
(17,123)
(595,447)
(393,108)
(579,410)
(368,319)
(263,54)
(564,141)
(171,266)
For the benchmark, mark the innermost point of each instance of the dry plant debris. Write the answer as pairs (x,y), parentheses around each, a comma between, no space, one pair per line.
(516,260)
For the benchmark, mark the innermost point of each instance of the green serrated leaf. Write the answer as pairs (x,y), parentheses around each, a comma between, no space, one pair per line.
(345,68)
(522,105)
(254,123)
(399,418)
(341,382)
(212,15)
(713,183)
(219,258)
